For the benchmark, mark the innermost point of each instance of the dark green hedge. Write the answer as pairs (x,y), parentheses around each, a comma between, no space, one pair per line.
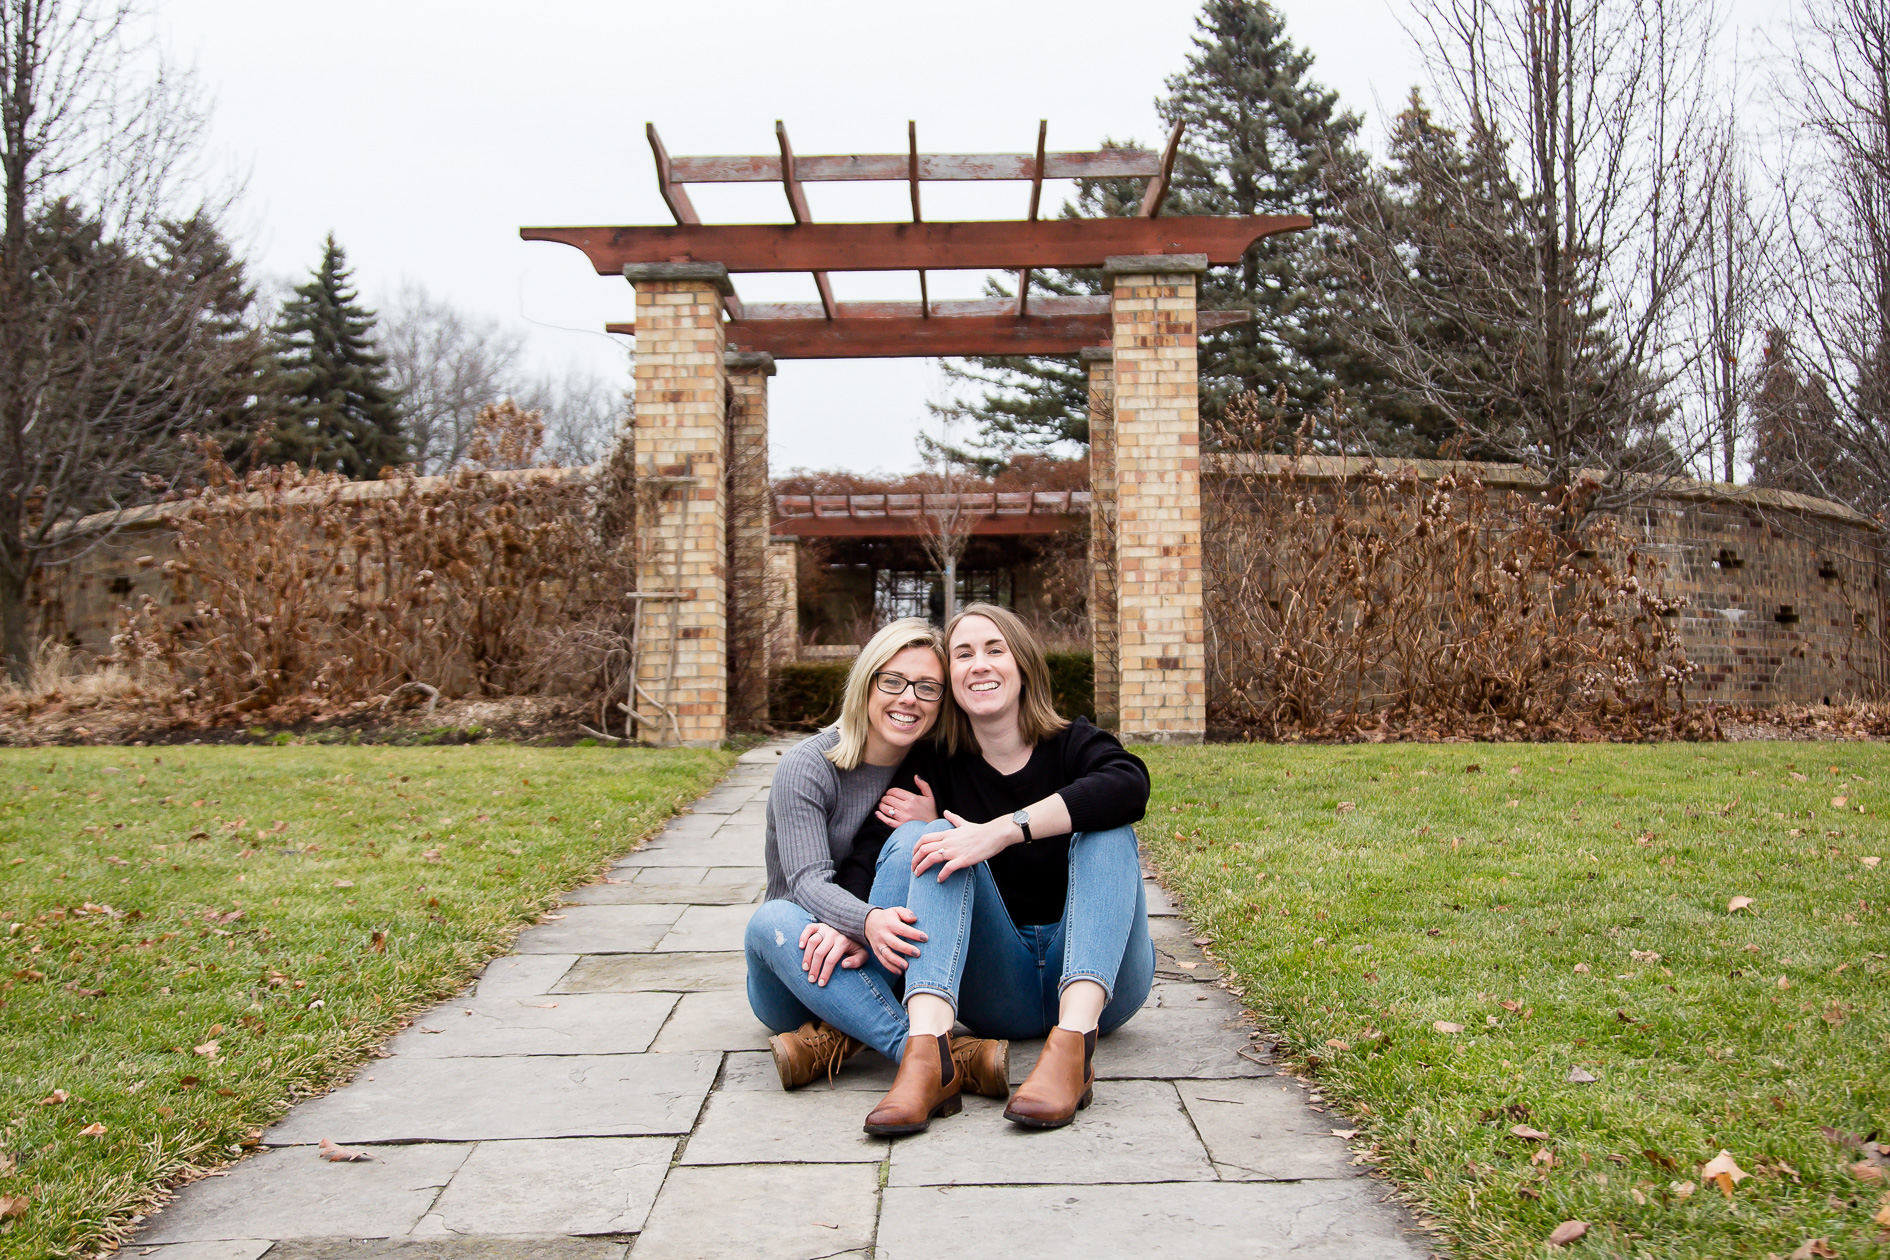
(809,694)
(1073,684)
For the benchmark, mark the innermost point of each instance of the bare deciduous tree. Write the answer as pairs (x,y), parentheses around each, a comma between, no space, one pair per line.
(1537,297)
(108,350)
(1835,181)
(949,509)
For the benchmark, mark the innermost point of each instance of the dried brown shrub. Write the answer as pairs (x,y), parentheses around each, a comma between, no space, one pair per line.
(1355,599)
(310,594)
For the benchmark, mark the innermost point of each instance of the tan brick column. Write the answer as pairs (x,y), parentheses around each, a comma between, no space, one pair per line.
(1104,633)
(1158,496)
(682,534)
(750,514)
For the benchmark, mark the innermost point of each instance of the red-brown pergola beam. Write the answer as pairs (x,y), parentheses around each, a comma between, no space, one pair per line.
(941,336)
(914,527)
(999,246)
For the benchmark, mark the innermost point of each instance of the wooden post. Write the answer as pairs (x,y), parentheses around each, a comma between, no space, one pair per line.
(1163,653)
(682,528)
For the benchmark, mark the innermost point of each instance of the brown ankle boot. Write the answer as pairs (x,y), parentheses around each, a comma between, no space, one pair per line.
(1060,1085)
(986,1065)
(928,1084)
(815,1047)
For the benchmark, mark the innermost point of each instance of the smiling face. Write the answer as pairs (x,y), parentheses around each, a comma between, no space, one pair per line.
(985,678)
(898,722)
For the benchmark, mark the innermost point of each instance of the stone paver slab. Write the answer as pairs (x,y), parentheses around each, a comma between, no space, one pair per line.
(1311,1220)
(812,1125)
(689,828)
(224,1249)
(638,973)
(638,893)
(780,1211)
(733,846)
(866,1072)
(560,1186)
(600,930)
(294,1193)
(707,928)
(500,1248)
(575,1023)
(522,975)
(757,875)
(1262,1131)
(1160,904)
(718,1020)
(1134,1131)
(661,874)
(465,1100)
(727,799)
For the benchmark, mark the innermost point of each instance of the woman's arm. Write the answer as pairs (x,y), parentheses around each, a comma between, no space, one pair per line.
(1105,785)
(968,844)
(798,807)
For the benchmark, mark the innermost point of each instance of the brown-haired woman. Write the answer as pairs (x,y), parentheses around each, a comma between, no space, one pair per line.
(1029,891)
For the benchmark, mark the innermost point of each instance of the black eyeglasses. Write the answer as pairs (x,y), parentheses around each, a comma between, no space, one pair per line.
(924,688)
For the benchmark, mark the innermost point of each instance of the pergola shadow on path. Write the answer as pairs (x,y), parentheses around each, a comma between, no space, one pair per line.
(701,430)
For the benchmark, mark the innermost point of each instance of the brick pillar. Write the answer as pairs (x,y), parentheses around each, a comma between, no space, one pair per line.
(784,601)
(682,534)
(1163,652)
(750,515)
(1104,632)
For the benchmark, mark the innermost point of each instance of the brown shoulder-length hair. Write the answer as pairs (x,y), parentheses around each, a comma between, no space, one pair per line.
(1037,718)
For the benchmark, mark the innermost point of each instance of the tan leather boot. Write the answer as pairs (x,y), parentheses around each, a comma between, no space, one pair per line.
(813,1048)
(1060,1085)
(986,1065)
(928,1085)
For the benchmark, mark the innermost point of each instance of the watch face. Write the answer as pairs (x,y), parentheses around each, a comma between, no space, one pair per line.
(1021,818)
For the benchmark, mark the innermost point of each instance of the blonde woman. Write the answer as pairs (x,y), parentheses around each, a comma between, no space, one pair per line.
(1029,889)
(811,978)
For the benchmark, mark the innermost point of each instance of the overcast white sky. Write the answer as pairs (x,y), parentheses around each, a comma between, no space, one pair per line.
(425,133)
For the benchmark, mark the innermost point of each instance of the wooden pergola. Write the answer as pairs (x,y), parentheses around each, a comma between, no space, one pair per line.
(830,329)
(711,581)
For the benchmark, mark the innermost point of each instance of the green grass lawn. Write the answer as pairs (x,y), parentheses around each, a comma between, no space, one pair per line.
(1567,907)
(195,937)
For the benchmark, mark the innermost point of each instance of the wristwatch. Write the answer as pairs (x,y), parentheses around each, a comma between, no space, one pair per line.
(1022,819)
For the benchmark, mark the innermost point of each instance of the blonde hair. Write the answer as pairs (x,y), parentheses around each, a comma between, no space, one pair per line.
(1037,718)
(894,638)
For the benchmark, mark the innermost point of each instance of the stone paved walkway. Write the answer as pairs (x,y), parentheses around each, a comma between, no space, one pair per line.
(603,1093)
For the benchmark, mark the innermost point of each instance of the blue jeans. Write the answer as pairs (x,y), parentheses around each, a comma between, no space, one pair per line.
(863,1003)
(1003,980)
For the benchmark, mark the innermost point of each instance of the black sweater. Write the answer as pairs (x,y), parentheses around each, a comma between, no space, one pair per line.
(1104,785)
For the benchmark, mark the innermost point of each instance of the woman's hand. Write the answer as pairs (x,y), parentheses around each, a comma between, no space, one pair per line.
(824,947)
(900,806)
(894,936)
(965,845)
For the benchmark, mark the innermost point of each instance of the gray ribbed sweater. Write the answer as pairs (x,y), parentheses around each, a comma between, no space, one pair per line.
(814,811)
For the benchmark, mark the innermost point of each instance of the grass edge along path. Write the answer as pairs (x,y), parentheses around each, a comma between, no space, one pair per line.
(196,938)
(1449,938)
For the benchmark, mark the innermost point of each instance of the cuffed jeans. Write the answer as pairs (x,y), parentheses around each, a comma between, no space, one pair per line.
(1003,980)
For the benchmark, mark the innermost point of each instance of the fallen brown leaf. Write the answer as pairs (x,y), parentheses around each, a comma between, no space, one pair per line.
(1527,1133)
(1581,969)
(1446,1027)
(1510,1006)
(1682,1189)
(13,1206)
(1866,1170)
(1723,1170)
(1883,1213)
(55,1098)
(1544,1156)
(1344,807)
(1738,903)
(341,1154)
(1577,1076)
(208,1049)
(95,1129)
(1567,1232)
(1347,1134)
(1814,1249)
(377,943)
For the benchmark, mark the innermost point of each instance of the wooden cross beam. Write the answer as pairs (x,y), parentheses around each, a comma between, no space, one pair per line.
(986,246)
(896,330)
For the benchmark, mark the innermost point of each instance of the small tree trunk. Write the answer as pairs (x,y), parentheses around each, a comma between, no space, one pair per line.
(951,588)
(13,642)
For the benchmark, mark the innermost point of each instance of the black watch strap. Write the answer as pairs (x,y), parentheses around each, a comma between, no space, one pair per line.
(1022,819)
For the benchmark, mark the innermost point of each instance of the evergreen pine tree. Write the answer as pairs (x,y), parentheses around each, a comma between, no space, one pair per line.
(1260,138)
(235,400)
(337,412)
(1263,138)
